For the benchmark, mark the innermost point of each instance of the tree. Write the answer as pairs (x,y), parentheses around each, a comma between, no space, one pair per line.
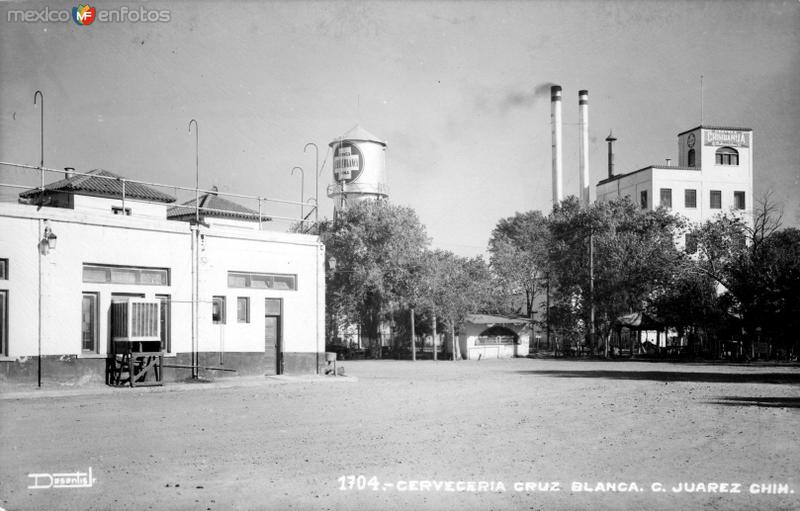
(634,256)
(454,287)
(758,266)
(519,255)
(376,245)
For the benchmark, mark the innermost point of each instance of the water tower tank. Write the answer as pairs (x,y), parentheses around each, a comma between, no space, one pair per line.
(359,167)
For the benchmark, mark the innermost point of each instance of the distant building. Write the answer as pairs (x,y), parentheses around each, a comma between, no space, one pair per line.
(482,336)
(714,174)
(259,294)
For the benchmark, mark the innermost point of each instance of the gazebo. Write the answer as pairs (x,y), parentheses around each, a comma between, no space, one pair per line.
(636,323)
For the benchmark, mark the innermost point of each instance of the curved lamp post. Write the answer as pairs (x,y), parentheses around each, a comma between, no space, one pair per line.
(302,190)
(316,179)
(38,94)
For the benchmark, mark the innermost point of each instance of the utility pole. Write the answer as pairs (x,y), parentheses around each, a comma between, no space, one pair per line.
(413,340)
(434,337)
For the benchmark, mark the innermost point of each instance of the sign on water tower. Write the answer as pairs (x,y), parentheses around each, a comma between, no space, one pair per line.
(348,162)
(359,167)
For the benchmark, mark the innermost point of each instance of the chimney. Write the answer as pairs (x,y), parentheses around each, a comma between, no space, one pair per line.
(610,139)
(555,120)
(583,122)
(69,172)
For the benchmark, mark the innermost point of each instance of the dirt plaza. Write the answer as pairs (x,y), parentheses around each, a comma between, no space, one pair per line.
(490,434)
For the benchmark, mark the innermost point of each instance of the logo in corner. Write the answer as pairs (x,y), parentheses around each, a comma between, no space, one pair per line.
(84,14)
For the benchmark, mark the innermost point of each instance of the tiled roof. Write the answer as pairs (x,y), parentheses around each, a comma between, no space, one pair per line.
(102,183)
(212,205)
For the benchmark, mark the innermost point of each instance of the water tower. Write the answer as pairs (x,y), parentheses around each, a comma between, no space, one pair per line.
(359,168)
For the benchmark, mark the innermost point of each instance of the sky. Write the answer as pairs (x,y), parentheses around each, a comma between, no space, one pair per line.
(458,90)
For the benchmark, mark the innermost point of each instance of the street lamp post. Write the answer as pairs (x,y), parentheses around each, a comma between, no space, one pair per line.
(38,94)
(302,190)
(196,258)
(316,179)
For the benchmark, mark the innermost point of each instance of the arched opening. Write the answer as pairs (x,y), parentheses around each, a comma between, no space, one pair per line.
(497,335)
(691,162)
(727,156)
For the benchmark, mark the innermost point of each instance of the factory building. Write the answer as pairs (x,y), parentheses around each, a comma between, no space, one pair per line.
(232,299)
(714,174)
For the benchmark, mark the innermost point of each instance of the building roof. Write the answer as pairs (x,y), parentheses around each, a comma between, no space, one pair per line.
(714,128)
(358,133)
(660,167)
(486,319)
(640,321)
(102,183)
(212,205)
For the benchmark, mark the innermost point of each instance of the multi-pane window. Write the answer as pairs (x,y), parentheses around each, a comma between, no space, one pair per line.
(690,198)
(243,309)
(716,199)
(262,280)
(218,310)
(727,156)
(738,200)
(643,199)
(3,269)
(3,322)
(107,274)
(666,197)
(89,320)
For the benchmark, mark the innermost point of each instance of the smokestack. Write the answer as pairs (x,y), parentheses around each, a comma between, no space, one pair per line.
(69,172)
(583,120)
(610,139)
(555,120)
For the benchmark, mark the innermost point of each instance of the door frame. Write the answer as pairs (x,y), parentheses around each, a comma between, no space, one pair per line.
(279,365)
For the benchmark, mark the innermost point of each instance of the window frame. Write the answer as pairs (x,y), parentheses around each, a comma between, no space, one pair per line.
(712,194)
(268,278)
(665,197)
(222,318)
(690,192)
(246,301)
(736,195)
(691,158)
(3,268)
(727,156)
(95,296)
(136,271)
(166,327)
(4,320)
(643,199)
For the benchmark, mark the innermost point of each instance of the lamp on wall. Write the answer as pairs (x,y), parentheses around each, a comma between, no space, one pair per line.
(332,263)
(49,237)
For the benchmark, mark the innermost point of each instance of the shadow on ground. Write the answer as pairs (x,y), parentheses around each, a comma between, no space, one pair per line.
(771,402)
(669,376)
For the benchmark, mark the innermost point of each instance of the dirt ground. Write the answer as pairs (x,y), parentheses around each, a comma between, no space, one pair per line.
(494,434)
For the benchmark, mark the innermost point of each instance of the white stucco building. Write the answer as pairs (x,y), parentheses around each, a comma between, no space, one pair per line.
(232,295)
(714,174)
(483,336)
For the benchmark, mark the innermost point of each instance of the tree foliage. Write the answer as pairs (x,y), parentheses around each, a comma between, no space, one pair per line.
(377,247)
(518,251)
(634,255)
